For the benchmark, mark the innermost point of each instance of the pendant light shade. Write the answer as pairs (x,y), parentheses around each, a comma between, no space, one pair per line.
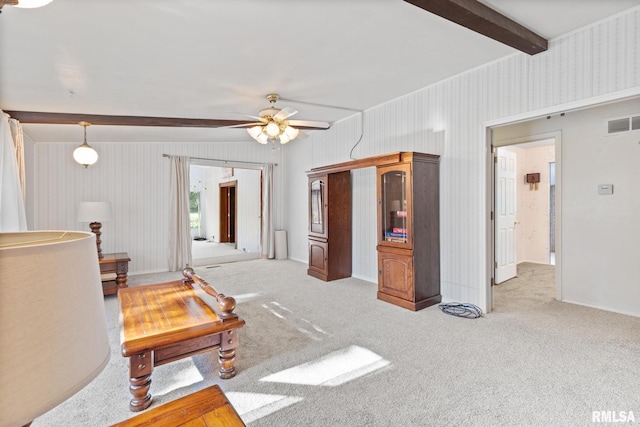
(85,154)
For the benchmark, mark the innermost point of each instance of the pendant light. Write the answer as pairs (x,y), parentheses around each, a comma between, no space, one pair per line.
(85,154)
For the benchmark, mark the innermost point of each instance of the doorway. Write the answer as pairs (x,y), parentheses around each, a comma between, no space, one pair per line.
(525,203)
(218,191)
(228,212)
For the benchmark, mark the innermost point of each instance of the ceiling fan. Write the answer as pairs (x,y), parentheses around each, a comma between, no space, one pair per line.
(274,124)
(264,124)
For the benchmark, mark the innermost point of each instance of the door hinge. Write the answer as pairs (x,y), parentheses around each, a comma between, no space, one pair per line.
(491,215)
(495,264)
(493,282)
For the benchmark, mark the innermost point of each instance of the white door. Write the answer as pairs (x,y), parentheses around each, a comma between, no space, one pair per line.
(505,214)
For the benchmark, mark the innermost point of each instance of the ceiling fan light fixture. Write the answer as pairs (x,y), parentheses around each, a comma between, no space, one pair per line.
(254,131)
(263,138)
(272,129)
(85,154)
(32,4)
(291,132)
(284,138)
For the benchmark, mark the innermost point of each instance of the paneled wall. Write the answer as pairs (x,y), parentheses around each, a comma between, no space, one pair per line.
(134,178)
(447,119)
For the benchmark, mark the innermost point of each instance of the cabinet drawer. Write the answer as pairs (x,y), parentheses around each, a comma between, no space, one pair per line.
(395,275)
(108,268)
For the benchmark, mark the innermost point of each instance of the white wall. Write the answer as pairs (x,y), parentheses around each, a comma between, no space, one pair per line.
(533,205)
(447,119)
(600,253)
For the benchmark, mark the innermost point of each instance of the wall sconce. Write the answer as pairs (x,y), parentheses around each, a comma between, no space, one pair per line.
(532,179)
(85,154)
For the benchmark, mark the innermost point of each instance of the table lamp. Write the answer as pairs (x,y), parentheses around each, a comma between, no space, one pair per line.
(54,330)
(95,213)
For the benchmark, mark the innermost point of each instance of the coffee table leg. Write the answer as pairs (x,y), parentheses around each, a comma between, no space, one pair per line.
(139,388)
(227,354)
(140,367)
(227,358)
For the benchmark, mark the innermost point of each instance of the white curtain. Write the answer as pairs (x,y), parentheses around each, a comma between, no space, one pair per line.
(268,243)
(18,145)
(179,224)
(12,212)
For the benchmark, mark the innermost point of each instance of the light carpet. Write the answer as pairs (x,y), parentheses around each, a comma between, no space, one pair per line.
(331,354)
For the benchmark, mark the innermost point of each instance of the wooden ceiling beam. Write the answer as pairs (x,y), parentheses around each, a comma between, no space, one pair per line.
(36,117)
(482,19)
(98,119)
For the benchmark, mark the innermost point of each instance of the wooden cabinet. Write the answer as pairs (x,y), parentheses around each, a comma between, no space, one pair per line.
(330,225)
(408,231)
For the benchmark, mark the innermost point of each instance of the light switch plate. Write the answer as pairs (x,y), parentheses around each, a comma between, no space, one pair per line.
(604,189)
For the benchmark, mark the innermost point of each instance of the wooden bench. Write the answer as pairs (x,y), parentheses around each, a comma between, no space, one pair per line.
(164,322)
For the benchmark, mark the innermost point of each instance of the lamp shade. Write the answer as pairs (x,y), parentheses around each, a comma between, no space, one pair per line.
(94,212)
(54,331)
(32,4)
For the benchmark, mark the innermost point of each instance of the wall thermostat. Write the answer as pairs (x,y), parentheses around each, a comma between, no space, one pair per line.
(605,189)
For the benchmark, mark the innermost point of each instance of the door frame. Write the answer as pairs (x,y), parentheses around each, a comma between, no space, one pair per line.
(224,188)
(486,291)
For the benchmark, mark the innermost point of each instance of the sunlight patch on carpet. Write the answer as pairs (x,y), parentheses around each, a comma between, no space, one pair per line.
(308,328)
(333,369)
(252,406)
(185,374)
(245,297)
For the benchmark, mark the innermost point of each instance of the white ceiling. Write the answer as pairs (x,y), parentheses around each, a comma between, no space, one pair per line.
(216,59)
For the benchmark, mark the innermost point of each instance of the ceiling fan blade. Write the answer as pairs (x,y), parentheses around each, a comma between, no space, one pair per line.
(284,113)
(244,125)
(251,117)
(308,124)
(99,119)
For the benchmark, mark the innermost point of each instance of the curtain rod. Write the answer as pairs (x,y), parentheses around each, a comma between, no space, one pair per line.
(226,161)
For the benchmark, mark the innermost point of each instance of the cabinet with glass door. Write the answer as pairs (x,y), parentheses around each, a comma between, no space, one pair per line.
(329,225)
(408,231)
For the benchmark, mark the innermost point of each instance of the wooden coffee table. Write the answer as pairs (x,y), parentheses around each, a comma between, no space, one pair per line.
(169,321)
(208,407)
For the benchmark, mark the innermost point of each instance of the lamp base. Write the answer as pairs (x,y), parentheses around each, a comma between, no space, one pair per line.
(95,227)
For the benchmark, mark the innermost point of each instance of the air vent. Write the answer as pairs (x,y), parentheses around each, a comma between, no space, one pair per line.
(623,124)
(618,125)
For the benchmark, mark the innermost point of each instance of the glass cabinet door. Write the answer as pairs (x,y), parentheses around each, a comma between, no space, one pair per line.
(394,206)
(316,206)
